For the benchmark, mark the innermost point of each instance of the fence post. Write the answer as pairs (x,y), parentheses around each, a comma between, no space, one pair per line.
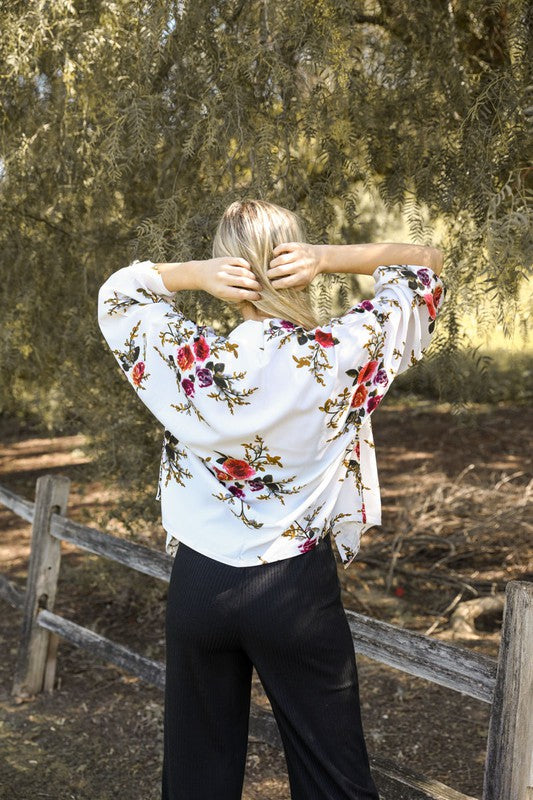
(508,766)
(36,655)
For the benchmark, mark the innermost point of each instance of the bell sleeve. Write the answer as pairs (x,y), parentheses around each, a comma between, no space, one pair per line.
(407,301)
(156,347)
(382,337)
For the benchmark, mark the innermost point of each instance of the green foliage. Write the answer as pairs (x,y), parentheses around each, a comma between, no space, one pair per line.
(126,127)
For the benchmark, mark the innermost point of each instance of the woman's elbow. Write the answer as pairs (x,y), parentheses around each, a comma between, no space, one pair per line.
(436,259)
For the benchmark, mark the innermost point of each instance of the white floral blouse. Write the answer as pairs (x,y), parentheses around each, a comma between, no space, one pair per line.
(267,441)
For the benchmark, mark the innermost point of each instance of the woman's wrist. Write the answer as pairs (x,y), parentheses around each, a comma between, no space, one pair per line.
(321,255)
(179,275)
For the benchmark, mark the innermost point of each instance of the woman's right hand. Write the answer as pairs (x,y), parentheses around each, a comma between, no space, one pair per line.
(229,278)
(295,264)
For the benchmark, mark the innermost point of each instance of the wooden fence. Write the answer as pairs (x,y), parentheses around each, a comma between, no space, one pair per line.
(506,683)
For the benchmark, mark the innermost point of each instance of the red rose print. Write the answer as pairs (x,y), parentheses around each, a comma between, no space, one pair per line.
(357,451)
(359,397)
(366,372)
(437,296)
(325,339)
(431,308)
(137,373)
(363,512)
(201,349)
(238,469)
(185,357)
(222,476)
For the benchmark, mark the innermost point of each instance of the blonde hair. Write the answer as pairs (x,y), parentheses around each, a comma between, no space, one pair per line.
(250,229)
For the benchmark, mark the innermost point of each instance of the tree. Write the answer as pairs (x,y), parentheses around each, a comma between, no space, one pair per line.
(128,126)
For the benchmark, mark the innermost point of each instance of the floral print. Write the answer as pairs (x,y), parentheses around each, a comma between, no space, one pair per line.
(243,477)
(171,463)
(186,360)
(315,342)
(267,436)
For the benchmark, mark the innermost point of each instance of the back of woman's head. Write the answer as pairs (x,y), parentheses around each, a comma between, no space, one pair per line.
(251,229)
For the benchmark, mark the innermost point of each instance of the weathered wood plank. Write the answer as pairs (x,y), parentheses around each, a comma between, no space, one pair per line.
(508,765)
(455,667)
(51,494)
(263,726)
(400,783)
(136,556)
(22,508)
(451,666)
(394,782)
(446,664)
(147,669)
(10,593)
(51,661)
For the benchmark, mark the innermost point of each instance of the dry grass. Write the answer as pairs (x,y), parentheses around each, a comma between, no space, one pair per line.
(456,525)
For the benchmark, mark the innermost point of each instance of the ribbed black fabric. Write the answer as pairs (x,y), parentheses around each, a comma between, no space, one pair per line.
(285,618)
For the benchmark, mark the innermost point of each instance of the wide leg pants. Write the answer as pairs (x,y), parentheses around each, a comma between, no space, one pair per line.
(285,618)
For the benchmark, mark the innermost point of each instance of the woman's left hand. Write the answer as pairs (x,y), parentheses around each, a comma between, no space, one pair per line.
(229,278)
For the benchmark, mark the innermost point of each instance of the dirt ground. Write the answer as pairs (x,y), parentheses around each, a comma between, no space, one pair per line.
(454,527)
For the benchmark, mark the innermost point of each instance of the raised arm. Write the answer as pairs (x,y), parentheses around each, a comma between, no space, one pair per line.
(296,264)
(363,259)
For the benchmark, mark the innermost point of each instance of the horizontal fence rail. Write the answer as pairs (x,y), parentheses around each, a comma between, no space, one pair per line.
(23,508)
(440,662)
(136,556)
(497,682)
(447,664)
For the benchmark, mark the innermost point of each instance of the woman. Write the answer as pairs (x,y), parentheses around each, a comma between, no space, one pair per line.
(267,459)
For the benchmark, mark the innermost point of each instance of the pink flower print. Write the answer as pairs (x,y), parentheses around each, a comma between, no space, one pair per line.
(373,402)
(287,325)
(256,485)
(137,372)
(306,545)
(188,385)
(236,491)
(367,305)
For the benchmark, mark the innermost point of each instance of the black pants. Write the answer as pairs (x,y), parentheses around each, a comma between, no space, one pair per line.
(285,618)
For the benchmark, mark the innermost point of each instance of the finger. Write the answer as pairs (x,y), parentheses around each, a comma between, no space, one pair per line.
(283,271)
(284,247)
(287,282)
(238,262)
(248,283)
(242,272)
(235,293)
(286,258)
(246,278)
